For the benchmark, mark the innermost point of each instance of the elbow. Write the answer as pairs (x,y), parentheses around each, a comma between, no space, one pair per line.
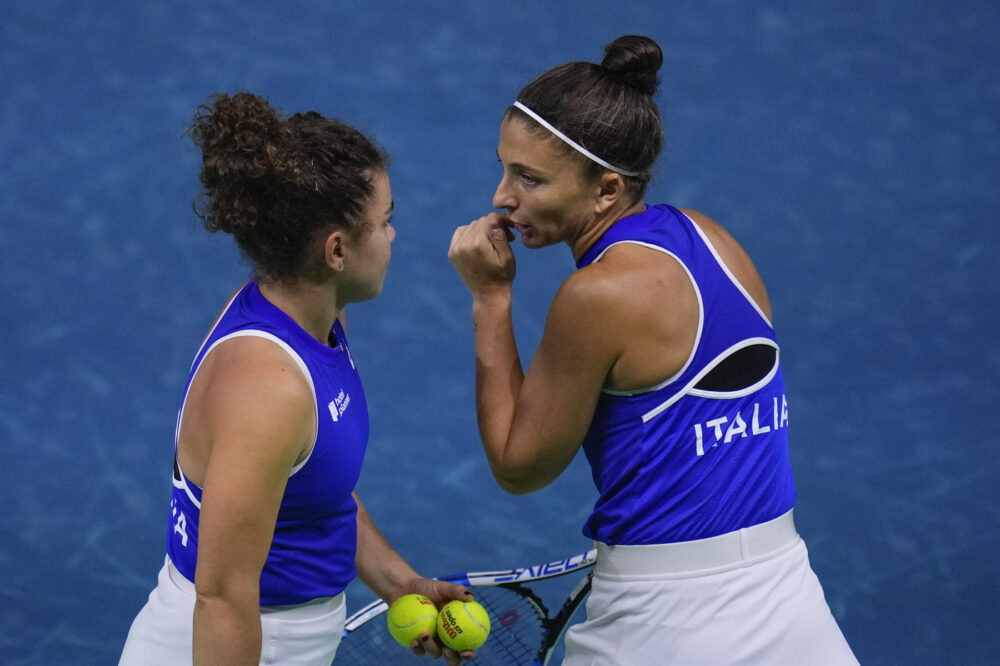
(216,594)
(525,467)
(517,483)
(513,487)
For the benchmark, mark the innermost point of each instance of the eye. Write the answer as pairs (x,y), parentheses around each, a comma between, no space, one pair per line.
(528,179)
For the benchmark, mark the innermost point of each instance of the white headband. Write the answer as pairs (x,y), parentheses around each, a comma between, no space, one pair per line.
(571,143)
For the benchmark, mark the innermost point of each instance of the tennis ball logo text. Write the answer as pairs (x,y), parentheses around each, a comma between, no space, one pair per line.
(450,625)
(761,420)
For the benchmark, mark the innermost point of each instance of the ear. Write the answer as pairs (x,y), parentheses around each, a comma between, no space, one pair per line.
(333,250)
(610,190)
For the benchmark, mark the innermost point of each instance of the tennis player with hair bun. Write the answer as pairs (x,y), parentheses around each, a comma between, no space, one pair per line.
(264,529)
(659,358)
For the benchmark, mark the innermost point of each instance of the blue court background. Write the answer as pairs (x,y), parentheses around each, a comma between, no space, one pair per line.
(853,148)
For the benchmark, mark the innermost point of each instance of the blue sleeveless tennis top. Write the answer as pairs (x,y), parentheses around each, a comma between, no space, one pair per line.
(704,452)
(315,537)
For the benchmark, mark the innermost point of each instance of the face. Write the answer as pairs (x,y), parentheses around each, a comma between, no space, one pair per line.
(366,258)
(544,190)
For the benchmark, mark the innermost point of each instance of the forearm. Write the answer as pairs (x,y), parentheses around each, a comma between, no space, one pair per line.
(226,631)
(499,375)
(379,566)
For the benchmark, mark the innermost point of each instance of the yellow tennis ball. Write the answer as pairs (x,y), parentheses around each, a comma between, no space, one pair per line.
(411,615)
(463,625)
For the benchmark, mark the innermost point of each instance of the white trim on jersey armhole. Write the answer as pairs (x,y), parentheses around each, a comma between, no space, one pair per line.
(725,268)
(291,352)
(182,484)
(701,320)
(720,395)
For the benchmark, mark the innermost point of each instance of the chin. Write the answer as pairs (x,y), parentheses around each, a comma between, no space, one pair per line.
(533,242)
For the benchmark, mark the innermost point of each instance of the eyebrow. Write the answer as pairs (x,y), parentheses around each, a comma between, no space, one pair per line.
(517,165)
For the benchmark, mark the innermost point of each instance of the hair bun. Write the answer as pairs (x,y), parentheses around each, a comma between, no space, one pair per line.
(635,60)
(238,136)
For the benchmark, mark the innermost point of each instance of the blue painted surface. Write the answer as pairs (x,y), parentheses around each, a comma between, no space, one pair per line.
(853,148)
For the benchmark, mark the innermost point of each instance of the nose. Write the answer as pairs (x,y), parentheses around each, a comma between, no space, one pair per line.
(503,198)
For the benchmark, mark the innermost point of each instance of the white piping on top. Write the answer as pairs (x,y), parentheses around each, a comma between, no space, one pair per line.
(295,357)
(701,320)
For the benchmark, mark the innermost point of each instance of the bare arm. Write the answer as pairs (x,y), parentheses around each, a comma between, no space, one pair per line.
(553,408)
(383,570)
(379,566)
(389,576)
(256,410)
(499,374)
(532,424)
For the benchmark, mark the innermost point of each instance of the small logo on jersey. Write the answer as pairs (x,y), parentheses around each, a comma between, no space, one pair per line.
(339,405)
(760,423)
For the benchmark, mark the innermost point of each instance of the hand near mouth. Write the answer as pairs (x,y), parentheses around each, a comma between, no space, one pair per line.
(481,253)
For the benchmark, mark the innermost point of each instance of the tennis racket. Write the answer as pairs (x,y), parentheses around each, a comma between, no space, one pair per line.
(522,631)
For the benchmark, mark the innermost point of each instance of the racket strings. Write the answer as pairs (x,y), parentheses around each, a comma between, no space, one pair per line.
(521,630)
(517,630)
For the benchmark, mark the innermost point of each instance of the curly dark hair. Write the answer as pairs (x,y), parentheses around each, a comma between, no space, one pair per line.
(607,108)
(276,183)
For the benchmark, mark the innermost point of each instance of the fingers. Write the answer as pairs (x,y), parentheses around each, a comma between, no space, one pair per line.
(454,591)
(441,592)
(473,232)
(500,238)
(426,645)
(457,238)
(481,253)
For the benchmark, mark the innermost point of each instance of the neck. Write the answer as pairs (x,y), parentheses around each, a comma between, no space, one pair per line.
(311,306)
(593,232)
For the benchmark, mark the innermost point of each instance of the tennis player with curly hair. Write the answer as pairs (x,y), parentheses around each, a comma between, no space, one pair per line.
(265,530)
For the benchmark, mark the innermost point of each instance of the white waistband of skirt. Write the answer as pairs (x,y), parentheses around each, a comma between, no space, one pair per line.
(303,611)
(688,559)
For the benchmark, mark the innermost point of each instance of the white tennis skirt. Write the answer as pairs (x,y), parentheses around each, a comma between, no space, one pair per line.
(161,635)
(749,597)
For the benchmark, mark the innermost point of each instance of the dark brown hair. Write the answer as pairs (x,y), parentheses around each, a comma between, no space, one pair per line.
(276,183)
(608,108)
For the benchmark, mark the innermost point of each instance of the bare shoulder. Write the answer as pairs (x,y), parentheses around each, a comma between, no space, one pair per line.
(721,239)
(639,307)
(630,277)
(735,258)
(251,364)
(597,293)
(247,390)
(575,314)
